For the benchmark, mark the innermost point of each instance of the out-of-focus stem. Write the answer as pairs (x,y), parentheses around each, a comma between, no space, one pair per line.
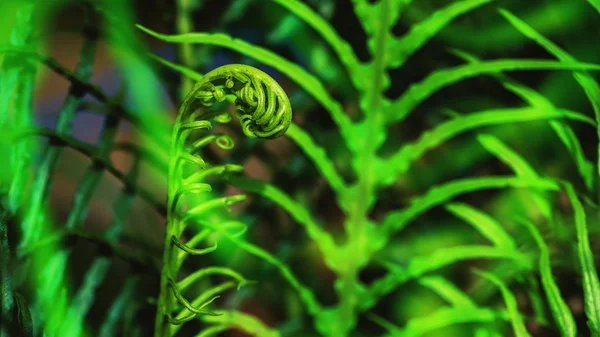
(184,26)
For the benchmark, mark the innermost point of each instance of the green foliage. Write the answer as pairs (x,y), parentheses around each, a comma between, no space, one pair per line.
(511,305)
(373,164)
(560,311)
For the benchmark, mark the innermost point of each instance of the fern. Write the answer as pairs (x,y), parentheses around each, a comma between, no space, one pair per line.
(264,112)
(373,169)
(365,237)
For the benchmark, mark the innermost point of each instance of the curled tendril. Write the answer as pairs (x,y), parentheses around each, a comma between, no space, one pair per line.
(264,111)
(225,142)
(262,106)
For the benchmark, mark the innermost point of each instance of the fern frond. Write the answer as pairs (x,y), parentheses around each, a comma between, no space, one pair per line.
(84,86)
(419,92)
(400,161)
(420,265)
(341,47)
(264,111)
(437,195)
(587,82)
(306,80)
(41,184)
(564,132)
(402,48)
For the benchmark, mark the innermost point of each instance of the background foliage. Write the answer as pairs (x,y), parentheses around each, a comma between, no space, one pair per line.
(440,176)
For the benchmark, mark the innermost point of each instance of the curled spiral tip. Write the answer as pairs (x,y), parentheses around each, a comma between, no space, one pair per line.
(219,94)
(223,118)
(225,142)
(262,106)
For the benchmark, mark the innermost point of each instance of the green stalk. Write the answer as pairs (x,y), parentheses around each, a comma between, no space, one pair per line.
(184,26)
(165,304)
(356,246)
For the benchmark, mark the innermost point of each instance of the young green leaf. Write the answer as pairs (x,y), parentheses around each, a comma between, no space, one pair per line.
(402,48)
(341,47)
(511,304)
(563,131)
(297,211)
(507,155)
(400,162)
(587,82)
(305,294)
(190,73)
(447,290)
(319,157)
(395,221)
(591,284)
(420,265)
(439,79)
(560,311)
(446,317)
(521,167)
(483,223)
(242,321)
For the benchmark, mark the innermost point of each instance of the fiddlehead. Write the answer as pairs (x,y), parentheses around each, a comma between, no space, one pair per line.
(264,111)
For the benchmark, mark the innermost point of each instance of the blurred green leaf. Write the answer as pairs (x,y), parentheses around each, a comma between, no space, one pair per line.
(560,311)
(511,304)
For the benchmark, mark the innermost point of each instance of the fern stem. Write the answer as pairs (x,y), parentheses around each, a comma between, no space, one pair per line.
(356,246)
(184,26)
